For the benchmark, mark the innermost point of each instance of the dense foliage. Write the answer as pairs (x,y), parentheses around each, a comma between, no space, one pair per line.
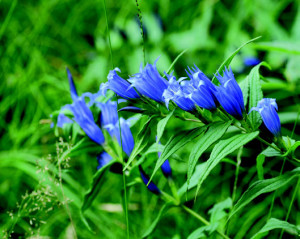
(217,149)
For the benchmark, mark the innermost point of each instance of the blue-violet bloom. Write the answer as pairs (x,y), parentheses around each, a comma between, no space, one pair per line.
(119,85)
(229,94)
(200,89)
(267,108)
(175,93)
(149,82)
(84,117)
(110,121)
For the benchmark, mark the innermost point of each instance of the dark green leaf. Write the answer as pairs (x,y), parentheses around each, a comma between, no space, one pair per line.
(94,189)
(214,133)
(176,142)
(274,223)
(162,124)
(142,140)
(221,150)
(264,186)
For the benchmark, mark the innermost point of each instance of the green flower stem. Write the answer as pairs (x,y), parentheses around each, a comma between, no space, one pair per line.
(291,204)
(201,219)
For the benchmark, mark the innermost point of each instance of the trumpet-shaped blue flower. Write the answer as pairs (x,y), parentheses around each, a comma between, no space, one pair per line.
(152,187)
(267,108)
(84,117)
(110,121)
(120,86)
(103,159)
(229,94)
(149,82)
(200,89)
(175,93)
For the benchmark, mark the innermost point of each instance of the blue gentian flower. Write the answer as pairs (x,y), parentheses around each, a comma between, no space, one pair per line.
(229,94)
(110,121)
(152,187)
(267,108)
(175,93)
(251,61)
(120,86)
(103,159)
(73,91)
(84,117)
(200,89)
(149,82)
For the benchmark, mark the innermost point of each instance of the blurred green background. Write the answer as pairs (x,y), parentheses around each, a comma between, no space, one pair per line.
(39,38)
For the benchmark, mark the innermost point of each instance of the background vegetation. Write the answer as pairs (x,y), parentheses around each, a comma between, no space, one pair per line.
(38,39)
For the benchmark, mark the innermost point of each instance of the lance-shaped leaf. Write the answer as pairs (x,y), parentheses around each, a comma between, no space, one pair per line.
(256,93)
(176,142)
(221,150)
(214,133)
(227,62)
(162,211)
(141,141)
(162,124)
(274,223)
(264,186)
(259,166)
(94,189)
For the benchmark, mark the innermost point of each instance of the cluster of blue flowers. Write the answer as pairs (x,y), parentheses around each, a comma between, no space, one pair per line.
(197,91)
(118,128)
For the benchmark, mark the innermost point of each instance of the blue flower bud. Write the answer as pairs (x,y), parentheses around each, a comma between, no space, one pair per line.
(165,167)
(149,82)
(73,91)
(229,94)
(103,159)
(132,109)
(152,187)
(175,93)
(120,86)
(267,108)
(251,61)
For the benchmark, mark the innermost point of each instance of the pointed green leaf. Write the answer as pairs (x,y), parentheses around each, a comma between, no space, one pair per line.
(176,142)
(214,133)
(230,58)
(94,189)
(264,186)
(256,93)
(259,166)
(245,89)
(221,150)
(162,211)
(141,141)
(274,223)
(162,124)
